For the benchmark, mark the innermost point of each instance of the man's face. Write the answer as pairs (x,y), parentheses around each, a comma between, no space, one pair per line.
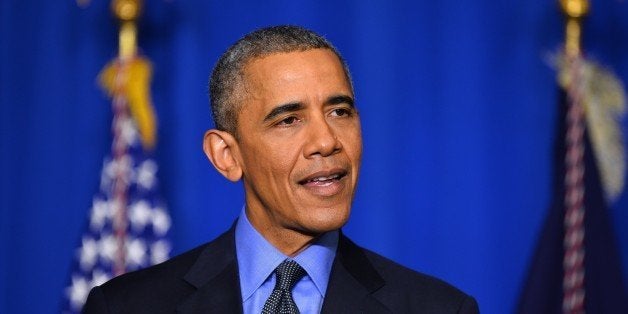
(299,142)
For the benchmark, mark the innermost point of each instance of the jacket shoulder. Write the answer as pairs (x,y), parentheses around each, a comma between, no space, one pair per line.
(407,290)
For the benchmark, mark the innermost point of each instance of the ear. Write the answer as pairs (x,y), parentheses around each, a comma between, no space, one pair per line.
(220,148)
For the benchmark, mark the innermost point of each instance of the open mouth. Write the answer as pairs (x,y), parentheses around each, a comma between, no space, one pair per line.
(323,178)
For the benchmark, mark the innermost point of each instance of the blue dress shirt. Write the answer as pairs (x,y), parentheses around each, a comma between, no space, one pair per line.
(257,260)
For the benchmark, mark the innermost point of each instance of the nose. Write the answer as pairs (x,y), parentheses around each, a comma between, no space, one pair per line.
(322,139)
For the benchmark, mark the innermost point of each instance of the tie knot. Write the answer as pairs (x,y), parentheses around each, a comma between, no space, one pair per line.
(288,273)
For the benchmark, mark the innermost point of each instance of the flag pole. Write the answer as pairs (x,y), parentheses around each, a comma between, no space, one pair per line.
(127,12)
(574,231)
(120,78)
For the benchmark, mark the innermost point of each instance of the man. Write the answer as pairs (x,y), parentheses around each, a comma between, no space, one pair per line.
(287,126)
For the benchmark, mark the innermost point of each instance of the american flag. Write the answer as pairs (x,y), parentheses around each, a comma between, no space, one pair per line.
(128,223)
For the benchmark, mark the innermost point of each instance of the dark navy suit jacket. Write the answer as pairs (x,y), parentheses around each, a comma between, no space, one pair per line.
(206,280)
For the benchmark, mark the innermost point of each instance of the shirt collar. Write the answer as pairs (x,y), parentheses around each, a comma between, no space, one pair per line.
(257,258)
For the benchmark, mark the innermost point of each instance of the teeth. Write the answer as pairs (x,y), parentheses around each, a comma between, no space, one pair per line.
(335,176)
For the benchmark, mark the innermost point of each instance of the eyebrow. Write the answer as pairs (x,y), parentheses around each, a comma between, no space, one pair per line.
(340,99)
(289,107)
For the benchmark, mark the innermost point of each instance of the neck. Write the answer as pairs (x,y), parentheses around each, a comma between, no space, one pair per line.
(288,241)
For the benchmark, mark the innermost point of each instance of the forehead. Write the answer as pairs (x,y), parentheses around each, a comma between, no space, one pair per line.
(294,72)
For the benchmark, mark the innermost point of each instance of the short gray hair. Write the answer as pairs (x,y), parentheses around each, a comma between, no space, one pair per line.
(226,80)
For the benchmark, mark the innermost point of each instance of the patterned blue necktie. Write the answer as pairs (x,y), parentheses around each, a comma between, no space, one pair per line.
(280,300)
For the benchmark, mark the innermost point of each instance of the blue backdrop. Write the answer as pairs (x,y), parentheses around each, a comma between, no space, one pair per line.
(458,111)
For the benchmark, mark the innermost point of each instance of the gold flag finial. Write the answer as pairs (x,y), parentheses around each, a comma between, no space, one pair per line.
(575,10)
(127,11)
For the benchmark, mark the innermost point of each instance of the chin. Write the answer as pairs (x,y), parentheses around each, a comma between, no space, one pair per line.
(324,220)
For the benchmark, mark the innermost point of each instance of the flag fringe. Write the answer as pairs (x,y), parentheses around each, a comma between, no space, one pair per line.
(135,86)
(604,102)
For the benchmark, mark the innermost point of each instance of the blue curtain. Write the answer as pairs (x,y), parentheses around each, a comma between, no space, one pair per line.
(458,110)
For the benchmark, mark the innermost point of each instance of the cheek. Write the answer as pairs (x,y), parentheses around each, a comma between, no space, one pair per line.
(353,144)
(284,151)
(271,162)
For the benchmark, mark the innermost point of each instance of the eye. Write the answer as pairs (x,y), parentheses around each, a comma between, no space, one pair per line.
(341,112)
(288,121)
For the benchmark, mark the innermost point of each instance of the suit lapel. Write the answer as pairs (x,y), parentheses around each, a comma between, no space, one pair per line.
(352,282)
(216,278)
